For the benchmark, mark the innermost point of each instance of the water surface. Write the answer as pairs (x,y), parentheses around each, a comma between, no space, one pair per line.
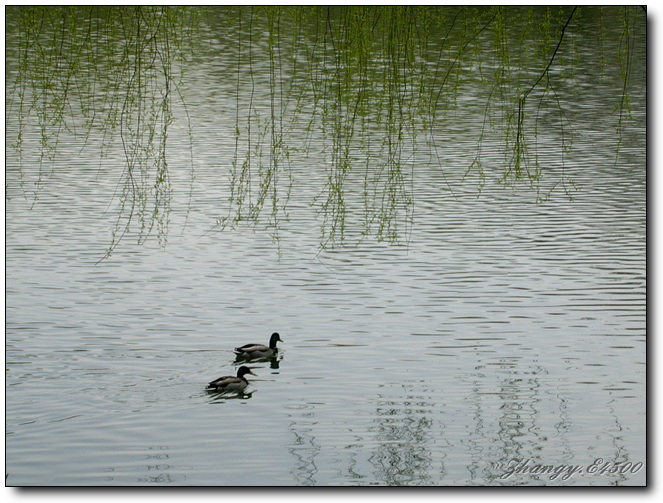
(499,330)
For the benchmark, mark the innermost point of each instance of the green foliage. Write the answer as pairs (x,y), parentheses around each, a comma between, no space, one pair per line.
(108,72)
(374,84)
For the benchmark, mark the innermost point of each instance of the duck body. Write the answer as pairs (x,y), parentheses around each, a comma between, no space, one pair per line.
(259,350)
(231,383)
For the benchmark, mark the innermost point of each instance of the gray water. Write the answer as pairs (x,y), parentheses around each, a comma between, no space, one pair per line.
(500,333)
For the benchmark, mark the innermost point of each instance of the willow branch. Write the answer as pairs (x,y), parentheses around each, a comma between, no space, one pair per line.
(521,101)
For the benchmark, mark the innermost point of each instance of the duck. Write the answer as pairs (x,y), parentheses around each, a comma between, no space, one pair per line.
(231,383)
(259,350)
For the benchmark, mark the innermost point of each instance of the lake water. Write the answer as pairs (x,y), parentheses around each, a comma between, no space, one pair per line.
(500,334)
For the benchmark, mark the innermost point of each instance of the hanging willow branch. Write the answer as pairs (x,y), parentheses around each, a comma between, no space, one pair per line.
(520,146)
(102,73)
(370,88)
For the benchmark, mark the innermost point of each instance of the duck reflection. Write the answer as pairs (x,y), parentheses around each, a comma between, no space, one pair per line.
(224,396)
